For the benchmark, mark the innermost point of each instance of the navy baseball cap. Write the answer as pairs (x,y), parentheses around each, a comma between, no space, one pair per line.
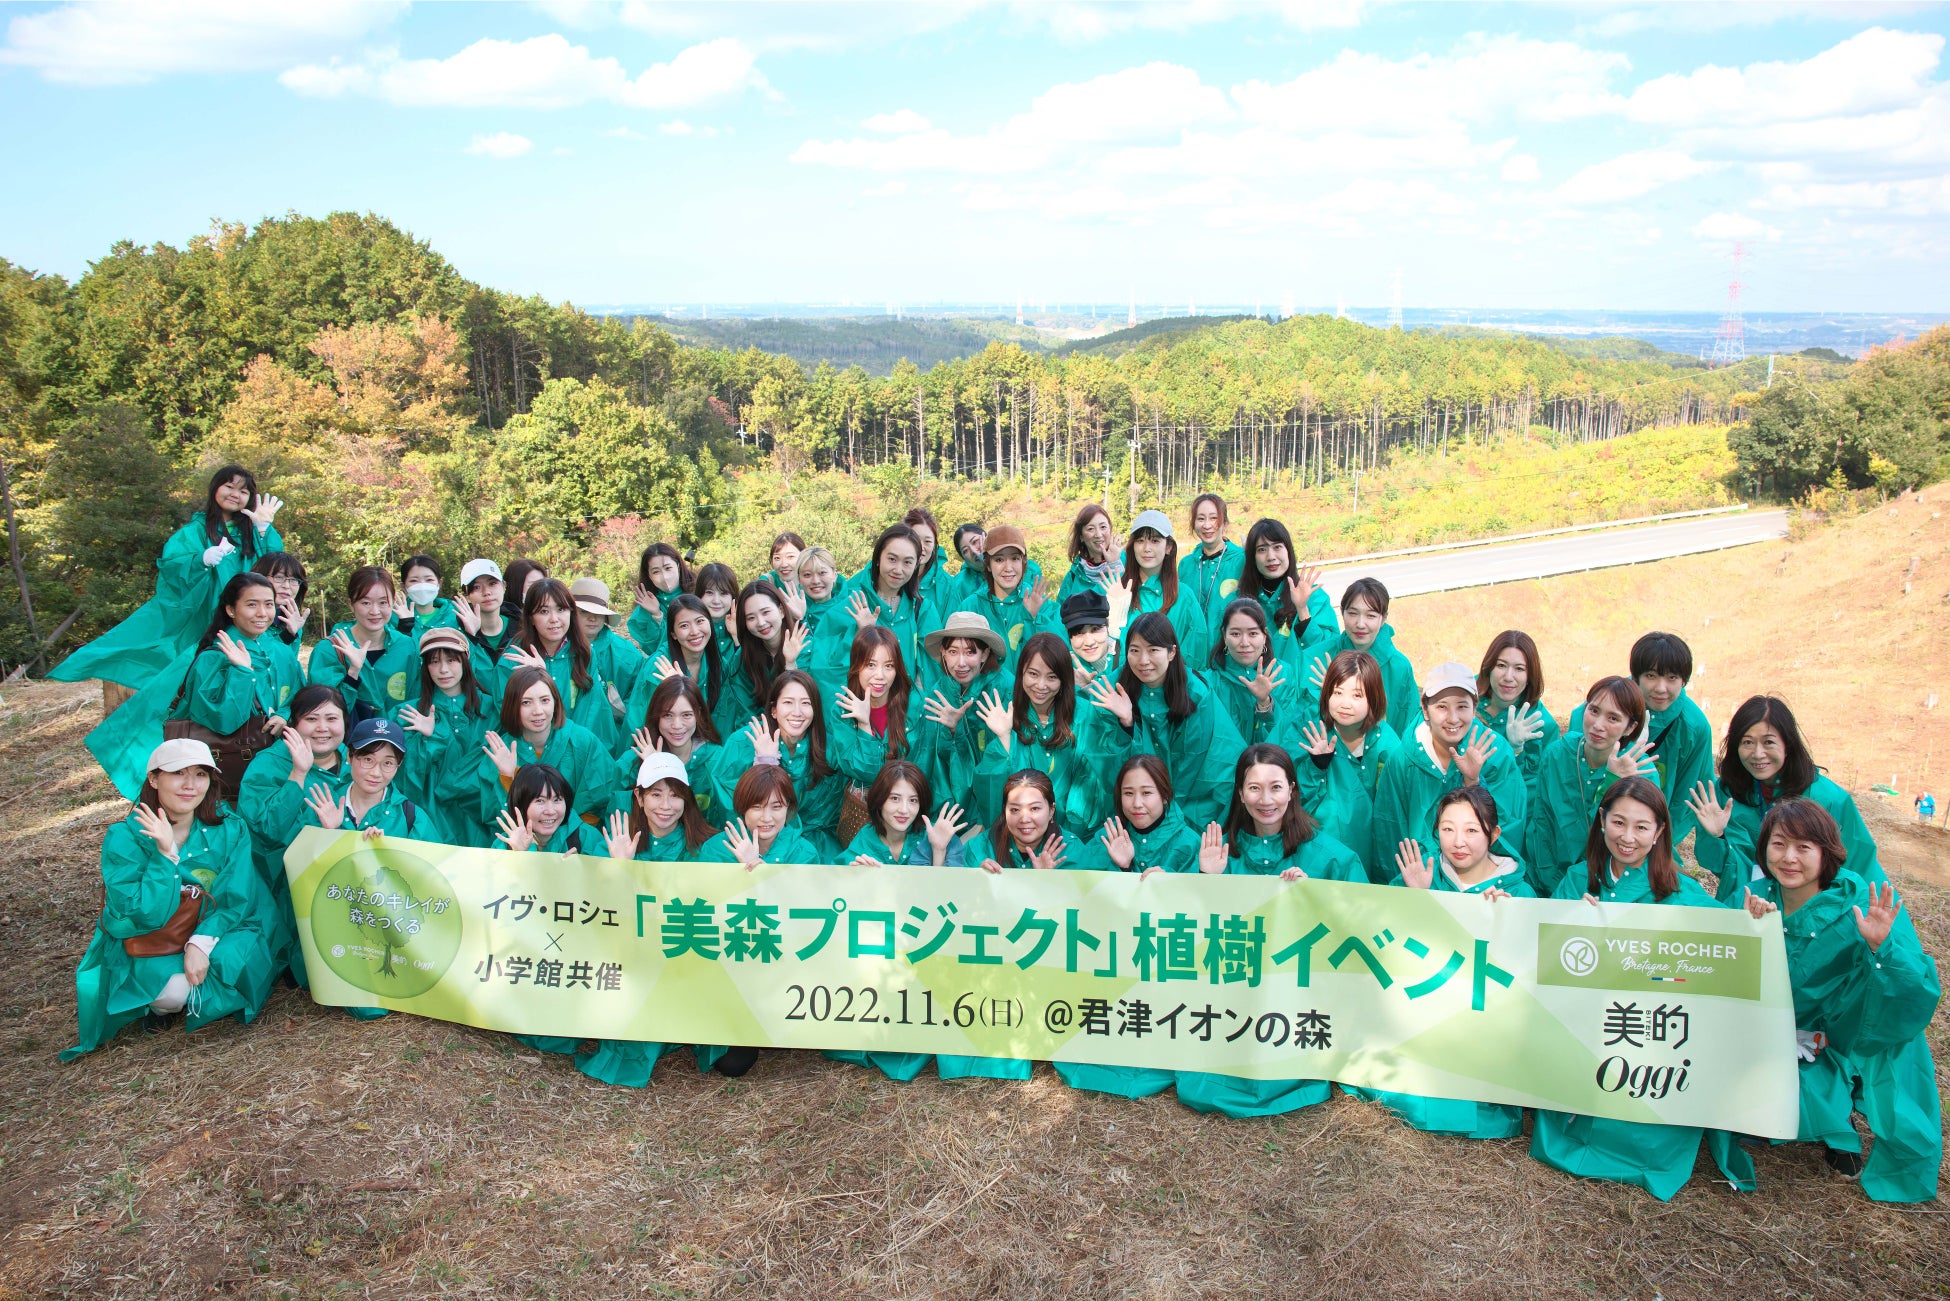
(375,730)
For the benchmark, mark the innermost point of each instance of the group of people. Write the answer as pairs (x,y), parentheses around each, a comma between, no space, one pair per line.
(1179,704)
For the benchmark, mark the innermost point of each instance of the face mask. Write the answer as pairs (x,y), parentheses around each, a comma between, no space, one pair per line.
(422,593)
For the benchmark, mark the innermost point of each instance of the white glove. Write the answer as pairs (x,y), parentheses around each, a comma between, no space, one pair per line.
(211,555)
(1809,1043)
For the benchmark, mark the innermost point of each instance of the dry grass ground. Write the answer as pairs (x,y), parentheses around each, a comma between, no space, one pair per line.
(312,1156)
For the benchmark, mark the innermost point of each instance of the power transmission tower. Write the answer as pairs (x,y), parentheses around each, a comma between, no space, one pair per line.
(1730,345)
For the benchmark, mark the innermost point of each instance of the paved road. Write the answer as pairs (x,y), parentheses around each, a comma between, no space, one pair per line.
(1514,561)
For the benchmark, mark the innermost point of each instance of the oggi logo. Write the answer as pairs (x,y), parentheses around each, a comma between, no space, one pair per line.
(1615,1074)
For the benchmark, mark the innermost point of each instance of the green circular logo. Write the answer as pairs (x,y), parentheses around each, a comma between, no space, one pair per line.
(396,686)
(386,922)
(1228,587)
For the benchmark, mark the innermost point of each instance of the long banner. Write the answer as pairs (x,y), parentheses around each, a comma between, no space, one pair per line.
(1637,1012)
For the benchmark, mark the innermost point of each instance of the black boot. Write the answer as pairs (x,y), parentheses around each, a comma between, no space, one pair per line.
(736,1061)
(1847,1164)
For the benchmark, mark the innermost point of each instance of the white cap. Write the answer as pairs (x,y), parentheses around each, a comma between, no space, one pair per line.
(1155,520)
(659,766)
(181,753)
(474,569)
(1449,677)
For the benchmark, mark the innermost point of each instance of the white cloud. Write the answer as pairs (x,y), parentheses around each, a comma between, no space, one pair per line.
(126,41)
(502,144)
(1925,197)
(541,72)
(1630,175)
(1870,72)
(902,122)
(683,128)
(625,133)
(1520,168)
(885,190)
(1733,226)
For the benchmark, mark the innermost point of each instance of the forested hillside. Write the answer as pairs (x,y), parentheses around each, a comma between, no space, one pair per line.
(398,406)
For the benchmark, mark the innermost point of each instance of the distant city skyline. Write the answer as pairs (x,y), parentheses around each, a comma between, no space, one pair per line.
(1597,156)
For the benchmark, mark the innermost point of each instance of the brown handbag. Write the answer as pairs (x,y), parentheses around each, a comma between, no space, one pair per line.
(853,816)
(233,753)
(174,934)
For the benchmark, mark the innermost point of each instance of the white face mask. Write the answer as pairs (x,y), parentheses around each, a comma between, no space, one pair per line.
(422,593)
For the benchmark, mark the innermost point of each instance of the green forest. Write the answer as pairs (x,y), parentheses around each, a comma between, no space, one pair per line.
(398,406)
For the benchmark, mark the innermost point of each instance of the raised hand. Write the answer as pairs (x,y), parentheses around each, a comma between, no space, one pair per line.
(938,710)
(214,554)
(731,627)
(1117,843)
(351,653)
(513,829)
(326,807)
(1213,857)
(765,742)
(155,826)
(1417,871)
(233,650)
(1265,678)
(506,761)
(943,829)
(1032,600)
(291,616)
(1051,855)
(742,844)
(1883,907)
(1317,738)
(854,707)
(795,600)
(1631,760)
(998,717)
(416,721)
(864,612)
(301,756)
(402,608)
(792,644)
(663,667)
(1317,674)
(618,839)
(1084,676)
(1711,815)
(1111,696)
(1524,725)
(265,511)
(467,617)
(1302,583)
(523,658)
(646,601)
(1758,907)
(1471,758)
(645,743)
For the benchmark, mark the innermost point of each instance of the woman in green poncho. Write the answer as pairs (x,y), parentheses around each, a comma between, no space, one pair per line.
(899,831)
(676,723)
(1297,607)
(1764,761)
(1095,565)
(552,640)
(1094,652)
(445,724)
(1012,602)
(1577,772)
(1364,619)
(290,584)
(949,738)
(1267,833)
(1509,700)
(1629,860)
(936,590)
(613,659)
(769,642)
(1447,749)
(1147,835)
(1345,758)
(183,911)
(661,575)
(1682,740)
(717,586)
(373,664)
(1151,577)
(690,652)
(1211,570)
(1864,993)
(787,547)
(533,728)
(661,824)
(425,608)
(1465,832)
(271,802)
(1037,729)
(224,540)
(813,594)
(1156,707)
(886,593)
(1255,687)
(233,684)
(877,715)
(483,614)
(791,733)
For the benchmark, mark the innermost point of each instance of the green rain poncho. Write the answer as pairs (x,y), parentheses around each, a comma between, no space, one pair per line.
(1010,617)
(1171,843)
(1341,796)
(1195,636)
(1657,1158)
(1322,858)
(203,686)
(791,845)
(273,807)
(832,642)
(647,630)
(383,682)
(1682,747)
(1212,579)
(701,768)
(1199,751)
(169,623)
(394,815)
(439,615)
(141,892)
(951,756)
(616,660)
(570,750)
(1726,856)
(589,707)
(731,711)
(1495,715)
(1293,646)
(1874,1006)
(1397,675)
(1460,1116)
(1082,799)
(1082,576)
(949,1066)
(1406,792)
(1280,725)
(819,805)
(1564,799)
(859,754)
(456,741)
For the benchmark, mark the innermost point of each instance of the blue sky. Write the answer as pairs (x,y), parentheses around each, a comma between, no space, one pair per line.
(1578,155)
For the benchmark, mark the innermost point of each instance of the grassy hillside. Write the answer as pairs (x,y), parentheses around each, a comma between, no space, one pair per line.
(874,343)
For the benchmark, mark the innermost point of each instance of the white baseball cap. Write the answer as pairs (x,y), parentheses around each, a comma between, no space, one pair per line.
(181,753)
(1155,520)
(1449,677)
(474,569)
(658,766)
